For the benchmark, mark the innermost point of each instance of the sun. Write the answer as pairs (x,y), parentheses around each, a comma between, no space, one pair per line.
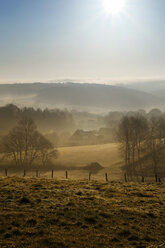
(113,7)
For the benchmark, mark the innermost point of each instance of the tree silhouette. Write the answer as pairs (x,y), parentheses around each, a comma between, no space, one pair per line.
(25,145)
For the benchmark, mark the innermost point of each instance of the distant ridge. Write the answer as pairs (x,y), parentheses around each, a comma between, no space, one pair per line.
(75,95)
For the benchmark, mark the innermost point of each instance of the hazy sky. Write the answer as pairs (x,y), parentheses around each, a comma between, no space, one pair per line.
(50,39)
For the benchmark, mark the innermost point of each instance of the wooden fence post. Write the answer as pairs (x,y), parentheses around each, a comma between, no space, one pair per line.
(142,179)
(156,178)
(52,173)
(159,180)
(66,174)
(106,177)
(6,172)
(125,177)
(24,173)
(89,176)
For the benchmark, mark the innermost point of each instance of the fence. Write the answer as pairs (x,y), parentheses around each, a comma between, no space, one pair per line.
(88,175)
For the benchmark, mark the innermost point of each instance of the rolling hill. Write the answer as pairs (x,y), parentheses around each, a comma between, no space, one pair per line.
(91,97)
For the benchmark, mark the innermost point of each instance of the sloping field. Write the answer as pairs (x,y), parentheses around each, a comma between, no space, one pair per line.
(40,213)
(78,156)
(73,158)
(107,155)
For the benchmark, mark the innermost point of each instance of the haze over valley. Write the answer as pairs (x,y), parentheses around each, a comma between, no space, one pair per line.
(95,98)
(82,124)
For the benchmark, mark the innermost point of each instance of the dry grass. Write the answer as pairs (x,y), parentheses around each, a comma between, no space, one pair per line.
(72,158)
(38,213)
(107,155)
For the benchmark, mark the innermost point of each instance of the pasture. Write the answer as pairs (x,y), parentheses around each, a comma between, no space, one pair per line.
(73,159)
(49,213)
(107,155)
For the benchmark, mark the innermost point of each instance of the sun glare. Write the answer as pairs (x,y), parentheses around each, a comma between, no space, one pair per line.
(113,7)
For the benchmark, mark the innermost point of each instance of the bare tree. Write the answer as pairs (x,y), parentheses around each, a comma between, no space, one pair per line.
(139,136)
(124,138)
(25,145)
(47,151)
(156,142)
(132,134)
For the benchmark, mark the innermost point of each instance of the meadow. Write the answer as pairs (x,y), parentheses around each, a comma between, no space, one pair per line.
(107,155)
(58,213)
(40,213)
(73,159)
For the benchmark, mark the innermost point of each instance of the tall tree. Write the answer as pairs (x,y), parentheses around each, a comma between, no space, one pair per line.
(156,142)
(124,138)
(25,145)
(132,134)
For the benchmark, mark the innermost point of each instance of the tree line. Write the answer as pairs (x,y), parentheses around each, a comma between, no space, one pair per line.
(142,142)
(25,146)
(46,119)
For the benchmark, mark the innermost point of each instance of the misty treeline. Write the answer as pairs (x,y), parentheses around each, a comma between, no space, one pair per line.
(60,127)
(46,119)
(70,128)
(24,146)
(142,139)
(49,122)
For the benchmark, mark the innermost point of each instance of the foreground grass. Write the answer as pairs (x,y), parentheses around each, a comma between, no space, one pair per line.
(38,213)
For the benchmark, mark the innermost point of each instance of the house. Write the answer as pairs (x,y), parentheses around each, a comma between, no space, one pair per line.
(81,137)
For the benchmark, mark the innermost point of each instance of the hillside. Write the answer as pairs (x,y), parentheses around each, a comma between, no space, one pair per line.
(93,97)
(156,88)
(107,155)
(70,214)
(74,159)
(149,86)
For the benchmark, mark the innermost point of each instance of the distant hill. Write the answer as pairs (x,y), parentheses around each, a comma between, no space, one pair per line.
(151,86)
(91,97)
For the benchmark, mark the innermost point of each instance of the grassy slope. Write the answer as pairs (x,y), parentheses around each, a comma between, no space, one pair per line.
(107,155)
(78,156)
(48,213)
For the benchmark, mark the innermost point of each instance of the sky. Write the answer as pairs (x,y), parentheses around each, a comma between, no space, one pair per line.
(43,40)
